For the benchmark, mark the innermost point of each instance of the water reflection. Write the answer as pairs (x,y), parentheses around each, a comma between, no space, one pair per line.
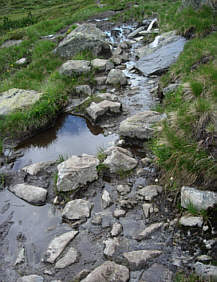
(71,135)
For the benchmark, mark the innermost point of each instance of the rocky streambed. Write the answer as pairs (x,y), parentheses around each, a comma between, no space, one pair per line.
(105,216)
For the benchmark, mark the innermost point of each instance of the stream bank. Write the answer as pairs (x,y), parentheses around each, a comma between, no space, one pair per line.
(127,219)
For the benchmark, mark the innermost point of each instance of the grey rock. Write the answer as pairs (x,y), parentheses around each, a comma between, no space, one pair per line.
(119,159)
(83,90)
(72,67)
(123,189)
(96,110)
(108,272)
(140,125)
(117,60)
(10,43)
(116,77)
(57,245)
(85,37)
(147,209)
(21,61)
(17,99)
(204,270)
(146,161)
(159,61)
(81,275)
(32,194)
(136,31)
(100,80)
(77,171)
(119,213)
(96,219)
(31,278)
(116,229)
(36,168)
(69,258)
(106,199)
(201,200)
(21,256)
(170,88)
(150,191)
(149,230)
(138,259)
(108,96)
(157,273)
(191,221)
(110,247)
(101,65)
(76,210)
(204,258)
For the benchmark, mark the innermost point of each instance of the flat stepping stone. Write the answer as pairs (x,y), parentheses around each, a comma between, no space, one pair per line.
(32,194)
(77,210)
(57,245)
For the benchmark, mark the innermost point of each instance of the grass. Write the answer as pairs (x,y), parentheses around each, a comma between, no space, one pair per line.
(191,277)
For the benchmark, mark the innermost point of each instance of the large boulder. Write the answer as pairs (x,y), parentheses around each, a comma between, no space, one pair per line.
(77,171)
(116,77)
(32,194)
(201,200)
(85,37)
(75,67)
(96,110)
(119,160)
(17,99)
(108,272)
(140,126)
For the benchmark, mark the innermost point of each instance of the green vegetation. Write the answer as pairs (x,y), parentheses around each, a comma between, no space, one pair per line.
(192,277)
(101,155)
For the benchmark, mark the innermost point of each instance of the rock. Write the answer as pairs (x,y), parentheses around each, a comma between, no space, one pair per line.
(106,199)
(17,99)
(57,245)
(119,159)
(77,171)
(76,210)
(81,275)
(96,110)
(204,270)
(36,168)
(108,96)
(191,221)
(138,259)
(85,37)
(136,31)
(96,219)
(201,200)
(10,43)
(140,125)
(21,61)
(83,90)
(110,247)
(108,272)
(116,229)
(32,194)
(147,209)
(31,278)
(117,60)
(69,258)
(119,213)
(101,65)
(161,57)
(170,88)
(116,77)
(150,191)
(146,161)
(21,256)
(149,230)
(73,67)
(157,273)
(123,189)
(100,80)
(204,258)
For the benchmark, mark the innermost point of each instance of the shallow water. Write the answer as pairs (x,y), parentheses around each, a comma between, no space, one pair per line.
(71,135)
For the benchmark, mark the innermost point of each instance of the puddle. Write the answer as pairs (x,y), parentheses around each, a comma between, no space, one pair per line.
(71,135)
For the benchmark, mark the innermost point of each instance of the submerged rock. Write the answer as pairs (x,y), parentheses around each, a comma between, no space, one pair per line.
(119,160)
(31,194)
(31,278)
(73,67)
(138,259)
(77,209)
(96,110)
(57,245)
(201,200)
(140,126)
(116,77)
(108,272)
(85,37)
(17,99)
(77,171)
